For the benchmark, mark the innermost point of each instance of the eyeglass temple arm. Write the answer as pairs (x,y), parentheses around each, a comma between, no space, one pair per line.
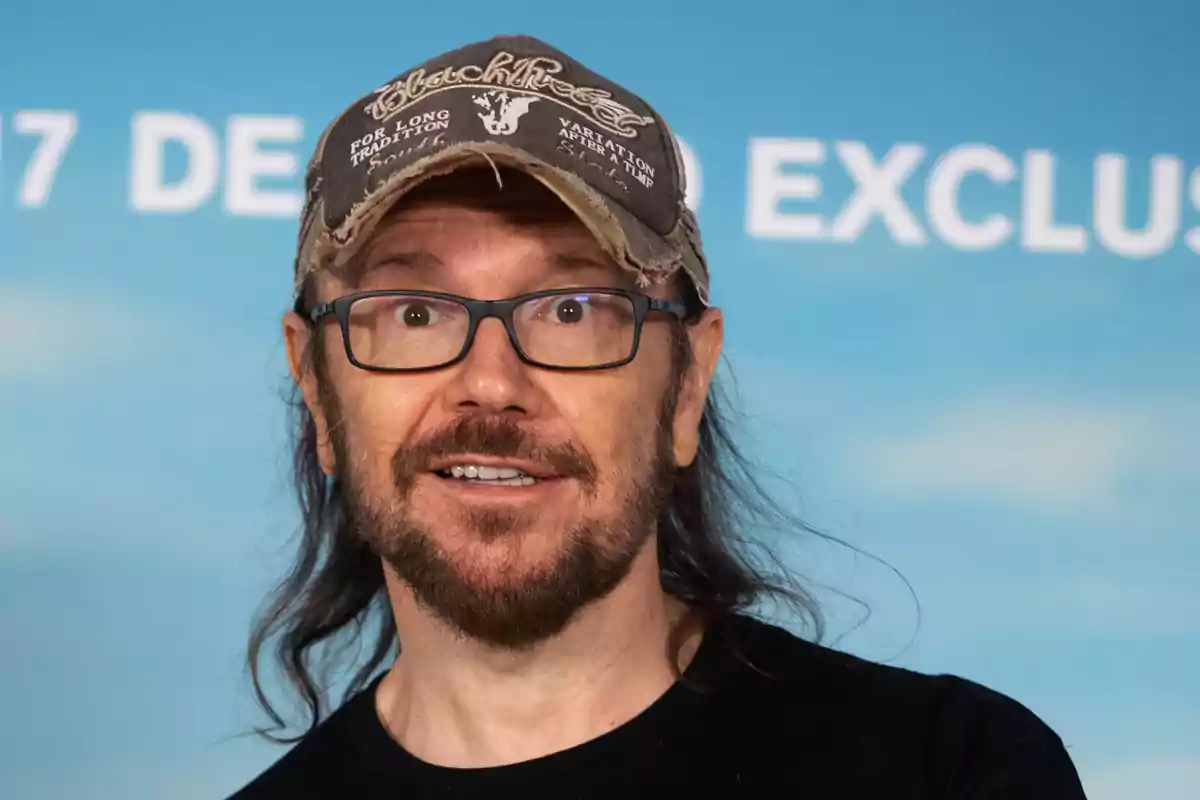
(669,306)
(314,314)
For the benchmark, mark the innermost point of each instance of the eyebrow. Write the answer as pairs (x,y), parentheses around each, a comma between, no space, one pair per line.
(416,259)
(573,262)
(358,267)
(425,260)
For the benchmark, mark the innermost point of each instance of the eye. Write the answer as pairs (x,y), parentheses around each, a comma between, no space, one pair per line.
(417,314)
(570,310)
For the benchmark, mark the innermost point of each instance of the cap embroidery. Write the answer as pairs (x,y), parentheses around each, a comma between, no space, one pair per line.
(502,111)
(532,74)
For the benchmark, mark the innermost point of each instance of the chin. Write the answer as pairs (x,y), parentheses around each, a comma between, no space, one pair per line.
(511,588)
(501,559)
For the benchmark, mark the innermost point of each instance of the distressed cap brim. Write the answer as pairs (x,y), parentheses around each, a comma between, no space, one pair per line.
(628,241)
(516,102)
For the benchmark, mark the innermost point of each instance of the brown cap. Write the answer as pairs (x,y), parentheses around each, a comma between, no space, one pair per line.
(509,101)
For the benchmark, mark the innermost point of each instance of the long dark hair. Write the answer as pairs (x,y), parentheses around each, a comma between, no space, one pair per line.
(334,597)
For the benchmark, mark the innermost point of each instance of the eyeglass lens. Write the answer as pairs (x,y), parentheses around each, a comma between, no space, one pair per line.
(567,330)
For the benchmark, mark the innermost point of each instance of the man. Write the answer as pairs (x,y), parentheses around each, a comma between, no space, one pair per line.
(519,491)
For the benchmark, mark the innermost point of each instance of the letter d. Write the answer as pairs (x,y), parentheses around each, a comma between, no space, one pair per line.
(151,132)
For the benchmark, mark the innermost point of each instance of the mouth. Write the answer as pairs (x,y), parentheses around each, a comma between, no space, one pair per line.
(488,472)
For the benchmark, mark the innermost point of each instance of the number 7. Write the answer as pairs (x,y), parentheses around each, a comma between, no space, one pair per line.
(57,130)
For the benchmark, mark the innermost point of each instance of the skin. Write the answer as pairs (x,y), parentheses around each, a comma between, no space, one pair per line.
(448,699)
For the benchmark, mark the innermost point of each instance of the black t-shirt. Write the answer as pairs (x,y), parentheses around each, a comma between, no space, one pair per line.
(761,713)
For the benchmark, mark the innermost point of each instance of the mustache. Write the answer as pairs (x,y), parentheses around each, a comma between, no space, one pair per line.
(499,437)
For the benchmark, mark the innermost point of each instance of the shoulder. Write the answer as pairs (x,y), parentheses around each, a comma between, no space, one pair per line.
(321,761)
(965,739)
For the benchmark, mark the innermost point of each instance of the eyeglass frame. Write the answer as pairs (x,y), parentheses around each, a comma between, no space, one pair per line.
(479,310)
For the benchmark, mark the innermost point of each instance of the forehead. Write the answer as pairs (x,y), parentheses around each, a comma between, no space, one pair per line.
(502,215)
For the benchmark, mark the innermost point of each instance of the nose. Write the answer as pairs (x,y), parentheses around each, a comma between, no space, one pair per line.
(492,378)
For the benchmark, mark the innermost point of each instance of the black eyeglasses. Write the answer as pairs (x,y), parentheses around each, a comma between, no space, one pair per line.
(578,328)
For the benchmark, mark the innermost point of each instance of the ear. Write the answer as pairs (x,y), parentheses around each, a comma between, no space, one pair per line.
(298,336)
(707,336)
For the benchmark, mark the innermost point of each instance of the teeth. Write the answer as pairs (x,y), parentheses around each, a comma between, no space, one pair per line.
(525,481)
(499,476)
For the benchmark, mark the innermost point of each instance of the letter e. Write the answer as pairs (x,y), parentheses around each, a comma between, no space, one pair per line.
(767,185)
(247,162)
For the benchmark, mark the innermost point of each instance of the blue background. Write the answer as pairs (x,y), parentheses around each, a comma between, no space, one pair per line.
(1014,432)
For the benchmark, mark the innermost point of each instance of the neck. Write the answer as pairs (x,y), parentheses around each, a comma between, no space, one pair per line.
(454,702)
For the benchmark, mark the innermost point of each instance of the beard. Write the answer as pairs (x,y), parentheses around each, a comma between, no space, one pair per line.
(500,606)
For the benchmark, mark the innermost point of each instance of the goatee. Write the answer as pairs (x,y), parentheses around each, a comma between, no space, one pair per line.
(519,610)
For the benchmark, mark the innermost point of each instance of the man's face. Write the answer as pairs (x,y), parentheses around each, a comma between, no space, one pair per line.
(506,564)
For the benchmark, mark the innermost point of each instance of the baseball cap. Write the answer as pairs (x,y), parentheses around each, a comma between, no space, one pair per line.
(516,102)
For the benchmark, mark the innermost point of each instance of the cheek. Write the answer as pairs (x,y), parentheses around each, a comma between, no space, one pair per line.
(379,414)
(614,416)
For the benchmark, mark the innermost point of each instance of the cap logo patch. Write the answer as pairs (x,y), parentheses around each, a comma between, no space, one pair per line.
(502,111)
(530,75)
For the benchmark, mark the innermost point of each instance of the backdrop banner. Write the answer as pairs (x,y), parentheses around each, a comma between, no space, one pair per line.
(958,250)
